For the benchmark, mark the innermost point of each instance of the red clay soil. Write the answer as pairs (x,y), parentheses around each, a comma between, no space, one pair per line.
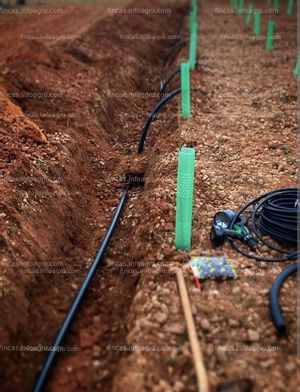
(71,117)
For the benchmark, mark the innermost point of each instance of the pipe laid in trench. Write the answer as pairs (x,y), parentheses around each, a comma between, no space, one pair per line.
(43,376)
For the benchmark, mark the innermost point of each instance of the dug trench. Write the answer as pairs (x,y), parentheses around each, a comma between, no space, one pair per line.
(69,128)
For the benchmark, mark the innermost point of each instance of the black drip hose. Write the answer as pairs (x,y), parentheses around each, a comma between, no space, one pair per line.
(164,83)
(275,310)
(177,46)
(180,27)
(153,116)
(80,294)
(178,43)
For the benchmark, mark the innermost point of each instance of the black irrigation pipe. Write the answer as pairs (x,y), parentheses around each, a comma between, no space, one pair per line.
(80,294)
(177,46)
(181,23)
(275,310)
(153,116)
(156,111)
(51,357)
(165,82)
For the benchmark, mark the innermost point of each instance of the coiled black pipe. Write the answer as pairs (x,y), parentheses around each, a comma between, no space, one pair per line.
(268,210)
(278,217)
(153,116)
(80,294)
(275,310)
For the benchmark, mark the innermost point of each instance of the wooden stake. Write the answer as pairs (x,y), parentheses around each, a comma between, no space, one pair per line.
(196,350)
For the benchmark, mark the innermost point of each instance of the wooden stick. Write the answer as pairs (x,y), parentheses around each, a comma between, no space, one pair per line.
(194,342)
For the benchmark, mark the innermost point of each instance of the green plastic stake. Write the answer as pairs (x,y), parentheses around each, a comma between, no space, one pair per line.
(195,5)
(184,198)
(257,23)
(297,69)
(185,90)
(235,4)
(276,4)
(241,7)
(270,34)
(193,46)
(249,13)
(290,6)
(193,19)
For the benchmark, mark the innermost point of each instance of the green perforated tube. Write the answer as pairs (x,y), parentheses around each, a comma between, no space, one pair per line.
(184,199)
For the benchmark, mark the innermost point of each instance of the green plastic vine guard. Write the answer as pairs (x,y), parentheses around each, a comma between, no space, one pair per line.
(297,69)
(257,23)
(184,198)
(193,46)
(241,7)
(193,19)
(234,4)
(195,5)
(290,6)
(249,13)
(276,4)
(270,34)
(185,90)
(193,13)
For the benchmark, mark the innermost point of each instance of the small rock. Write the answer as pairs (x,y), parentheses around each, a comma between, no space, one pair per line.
(253,335)
(178,386)
(205,325)
(236,290)
(264,292)
(96,351)
(291,366)
(161,318)
(213,294)
(160,257)
(168,251)
(2,215)
(163,386)
(96,364)
(176,328)
(221,355)
(164,308)
(165,291)
(267,364)
(233,323)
